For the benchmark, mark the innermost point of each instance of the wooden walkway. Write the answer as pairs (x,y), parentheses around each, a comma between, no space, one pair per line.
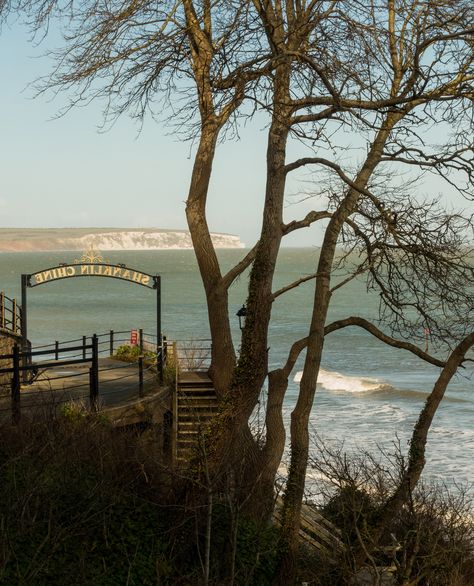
(55,387)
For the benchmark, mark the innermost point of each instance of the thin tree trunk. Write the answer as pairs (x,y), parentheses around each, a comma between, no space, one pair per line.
(252,367)
(300,416)
(416,455)
(223,355)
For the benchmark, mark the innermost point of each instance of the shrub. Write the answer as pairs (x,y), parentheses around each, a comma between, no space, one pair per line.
(75,507)
(255,548)
(128,353)
(430,541)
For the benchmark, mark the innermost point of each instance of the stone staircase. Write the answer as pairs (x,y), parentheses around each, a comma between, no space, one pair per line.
(196,404)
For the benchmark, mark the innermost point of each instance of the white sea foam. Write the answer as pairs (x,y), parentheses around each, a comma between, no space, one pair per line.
(334,381)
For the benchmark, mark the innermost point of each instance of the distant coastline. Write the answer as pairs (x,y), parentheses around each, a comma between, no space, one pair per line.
(60,239)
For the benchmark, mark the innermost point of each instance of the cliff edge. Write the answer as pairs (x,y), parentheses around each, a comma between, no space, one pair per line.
(46,239)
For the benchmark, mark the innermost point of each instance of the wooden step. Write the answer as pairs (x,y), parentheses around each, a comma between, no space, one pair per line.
(197,406)
(196,396)
(195,385)
(197,400)
(192,429)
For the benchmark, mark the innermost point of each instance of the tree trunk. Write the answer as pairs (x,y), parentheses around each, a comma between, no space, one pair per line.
(223,354)
(300,416)
(416,455)
(252,367)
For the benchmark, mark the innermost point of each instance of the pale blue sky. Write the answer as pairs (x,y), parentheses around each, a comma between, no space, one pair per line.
(64,173)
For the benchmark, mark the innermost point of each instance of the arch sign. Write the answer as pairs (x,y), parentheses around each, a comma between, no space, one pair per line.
(65,271)
(91,264)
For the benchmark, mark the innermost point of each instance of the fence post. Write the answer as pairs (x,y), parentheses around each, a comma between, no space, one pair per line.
(56,350)
(165,351)
(140,376)
(14,317)
(84,351)
(111,342)
(16,411)
(140,363)
(2,308)
(94,376)
(174,409)
(159,363)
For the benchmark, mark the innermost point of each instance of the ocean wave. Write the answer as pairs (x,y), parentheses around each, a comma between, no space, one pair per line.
(337,382)
(334,381)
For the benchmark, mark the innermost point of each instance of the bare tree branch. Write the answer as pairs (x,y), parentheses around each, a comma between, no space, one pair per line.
(369,327)
(293,285)
(239,268)
(309,219)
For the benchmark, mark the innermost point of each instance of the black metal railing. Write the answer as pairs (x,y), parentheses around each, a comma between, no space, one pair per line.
(10,314)
(43,364)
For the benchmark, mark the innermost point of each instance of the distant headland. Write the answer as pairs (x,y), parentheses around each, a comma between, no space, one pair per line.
(51,239)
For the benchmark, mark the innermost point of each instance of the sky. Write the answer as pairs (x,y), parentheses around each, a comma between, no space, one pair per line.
(65,172)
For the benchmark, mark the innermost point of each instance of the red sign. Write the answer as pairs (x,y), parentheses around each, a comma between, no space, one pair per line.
(134,337)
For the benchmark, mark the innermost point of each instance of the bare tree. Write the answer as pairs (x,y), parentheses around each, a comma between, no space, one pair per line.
(385,72)
(429,540)
(412,252)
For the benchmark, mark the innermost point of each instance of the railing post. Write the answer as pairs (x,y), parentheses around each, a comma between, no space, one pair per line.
(56,350)
(140,376)
(14,317)
(140,363)
(159,363)
(84,344)
(160,357)
(2,308)
(94,376)
(16,411)
(165,351)
(111,342)
(174,409)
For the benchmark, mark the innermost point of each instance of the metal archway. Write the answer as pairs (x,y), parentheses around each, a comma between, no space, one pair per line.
(91,265)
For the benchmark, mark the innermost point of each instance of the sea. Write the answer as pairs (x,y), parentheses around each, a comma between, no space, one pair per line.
(368,395)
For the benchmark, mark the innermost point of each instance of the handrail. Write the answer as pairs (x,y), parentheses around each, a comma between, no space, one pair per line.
(174,413)
(10,314)
(194,354)
(27,367)
(31,353)
(102,339)
(88,352)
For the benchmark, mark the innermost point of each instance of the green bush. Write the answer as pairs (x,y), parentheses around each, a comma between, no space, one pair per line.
(128,353)
(351,509)
(73,410)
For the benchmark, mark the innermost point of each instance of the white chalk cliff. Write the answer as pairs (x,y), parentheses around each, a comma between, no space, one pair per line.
(30,239)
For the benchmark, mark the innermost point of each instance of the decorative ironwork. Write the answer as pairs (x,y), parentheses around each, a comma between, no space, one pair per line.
(91,265)
(91,256)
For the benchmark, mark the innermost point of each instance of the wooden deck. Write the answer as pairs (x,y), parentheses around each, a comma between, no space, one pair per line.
(54,387)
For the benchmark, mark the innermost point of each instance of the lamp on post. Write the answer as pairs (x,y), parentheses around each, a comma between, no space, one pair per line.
(241,314)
